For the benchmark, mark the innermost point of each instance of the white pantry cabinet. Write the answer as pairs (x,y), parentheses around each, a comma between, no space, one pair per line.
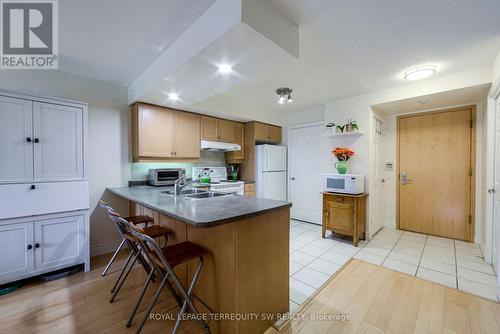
(32,246)
(44,195)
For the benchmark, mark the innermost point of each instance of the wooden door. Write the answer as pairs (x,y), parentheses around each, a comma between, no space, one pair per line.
(436,173)
(16,247)
(154,132)
(186,135)
(59,241)
(274,134)
(209,128)
(237,156)
(225,131)
(16,142)
(58,142)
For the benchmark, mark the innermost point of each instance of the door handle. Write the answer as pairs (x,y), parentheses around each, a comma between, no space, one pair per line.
(292,178)
(29,247)
(37,245)
(404,179)
(491,191)
(28,139)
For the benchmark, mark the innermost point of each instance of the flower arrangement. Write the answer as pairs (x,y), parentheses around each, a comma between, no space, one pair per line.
(343,154)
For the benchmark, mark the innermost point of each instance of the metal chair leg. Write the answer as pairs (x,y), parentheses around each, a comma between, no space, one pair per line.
(187,300)
(123,278)
(139,300)
(153,302)
(113,257)
(122,271)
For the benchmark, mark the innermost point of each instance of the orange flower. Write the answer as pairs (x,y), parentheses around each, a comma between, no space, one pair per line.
(343,154)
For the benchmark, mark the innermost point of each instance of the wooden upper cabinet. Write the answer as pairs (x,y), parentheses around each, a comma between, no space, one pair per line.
(152,131)
(237,156)
(225,131)
(162,134)
(209,128)
(265,133)
(275,134)
(186,135)
(217,129)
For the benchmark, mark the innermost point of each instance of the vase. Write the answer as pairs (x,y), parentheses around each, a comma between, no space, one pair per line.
(341,167)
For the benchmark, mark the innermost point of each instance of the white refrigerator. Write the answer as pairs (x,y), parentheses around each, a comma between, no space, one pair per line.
(271,177)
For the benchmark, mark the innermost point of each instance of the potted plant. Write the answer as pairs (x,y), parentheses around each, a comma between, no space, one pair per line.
(342,154)
(351,126)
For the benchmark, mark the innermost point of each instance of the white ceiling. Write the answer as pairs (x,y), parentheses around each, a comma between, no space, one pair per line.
(346,48)
(457,97)
(115,40)
(375,41)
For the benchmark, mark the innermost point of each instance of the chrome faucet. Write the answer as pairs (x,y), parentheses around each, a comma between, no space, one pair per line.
(178,187)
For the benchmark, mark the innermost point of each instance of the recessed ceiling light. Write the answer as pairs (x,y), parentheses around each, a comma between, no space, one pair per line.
(420,72)
(224,68)
(173,97)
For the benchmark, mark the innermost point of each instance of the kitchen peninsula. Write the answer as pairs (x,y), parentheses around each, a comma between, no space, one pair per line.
(248,240)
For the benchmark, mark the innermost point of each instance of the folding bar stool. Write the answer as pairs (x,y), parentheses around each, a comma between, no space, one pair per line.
(164,259)
(136,254)
(141,219)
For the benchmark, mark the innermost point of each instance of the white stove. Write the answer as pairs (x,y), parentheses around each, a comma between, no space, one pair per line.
(220,183)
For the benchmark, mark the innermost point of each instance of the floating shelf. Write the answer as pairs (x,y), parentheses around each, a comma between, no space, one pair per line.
(355,134)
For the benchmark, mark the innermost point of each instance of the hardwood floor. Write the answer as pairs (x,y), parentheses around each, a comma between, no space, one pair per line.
(79,304)
(379,300)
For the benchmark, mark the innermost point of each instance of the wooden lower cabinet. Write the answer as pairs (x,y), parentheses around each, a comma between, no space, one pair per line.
(250,189)
(345,214)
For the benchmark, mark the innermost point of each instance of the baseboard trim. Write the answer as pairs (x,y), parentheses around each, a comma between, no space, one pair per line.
(104,247)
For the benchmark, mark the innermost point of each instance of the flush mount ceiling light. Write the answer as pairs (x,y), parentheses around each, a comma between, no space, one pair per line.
(224,68)
(173,97)
(420,72)
(285,94)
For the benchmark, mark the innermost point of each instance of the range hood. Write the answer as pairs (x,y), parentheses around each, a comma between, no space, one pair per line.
(209,145)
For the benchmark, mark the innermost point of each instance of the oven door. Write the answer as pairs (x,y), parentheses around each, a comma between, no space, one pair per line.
(167,176)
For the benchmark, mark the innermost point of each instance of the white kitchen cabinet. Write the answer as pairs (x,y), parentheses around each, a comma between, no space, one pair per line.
(35,245)
(59,241)
(16,247)
(16,145)
(58,142)
(44,218)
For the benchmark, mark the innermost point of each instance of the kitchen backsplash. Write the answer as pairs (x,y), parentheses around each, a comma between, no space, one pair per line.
(139,171)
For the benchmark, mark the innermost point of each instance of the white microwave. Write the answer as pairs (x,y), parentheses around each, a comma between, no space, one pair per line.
(344,183)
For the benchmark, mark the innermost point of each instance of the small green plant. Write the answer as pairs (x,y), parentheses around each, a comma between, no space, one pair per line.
(340,128)
(351,125)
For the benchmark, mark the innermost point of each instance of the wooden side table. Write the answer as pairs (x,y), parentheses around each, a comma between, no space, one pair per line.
(345,214)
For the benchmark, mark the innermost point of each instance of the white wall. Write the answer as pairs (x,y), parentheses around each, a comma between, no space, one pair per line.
(359,108)
(310,115)
(108,142)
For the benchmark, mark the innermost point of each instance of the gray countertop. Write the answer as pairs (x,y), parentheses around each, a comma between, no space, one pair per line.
(202,213)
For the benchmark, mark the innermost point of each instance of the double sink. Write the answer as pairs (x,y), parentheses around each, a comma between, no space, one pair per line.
(197,194)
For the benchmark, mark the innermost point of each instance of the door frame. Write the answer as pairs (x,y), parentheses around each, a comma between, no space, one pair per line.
(472,210)
(288,130)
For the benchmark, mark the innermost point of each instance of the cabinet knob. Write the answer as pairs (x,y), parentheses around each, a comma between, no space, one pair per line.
(37,245)
(37,140)
(33,187)
(28,139)
(30,247)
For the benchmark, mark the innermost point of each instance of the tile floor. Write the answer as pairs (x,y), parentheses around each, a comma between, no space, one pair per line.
(456,264)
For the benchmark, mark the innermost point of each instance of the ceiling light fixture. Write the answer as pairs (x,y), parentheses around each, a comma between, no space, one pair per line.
(173,97)
(420,72)
(285,94)
(224,68)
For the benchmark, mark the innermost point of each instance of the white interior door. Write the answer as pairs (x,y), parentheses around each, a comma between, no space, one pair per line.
(17,255)
(377,192)
(59,241)
(496,192)
(58,147)
(16,146)
(308,154)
